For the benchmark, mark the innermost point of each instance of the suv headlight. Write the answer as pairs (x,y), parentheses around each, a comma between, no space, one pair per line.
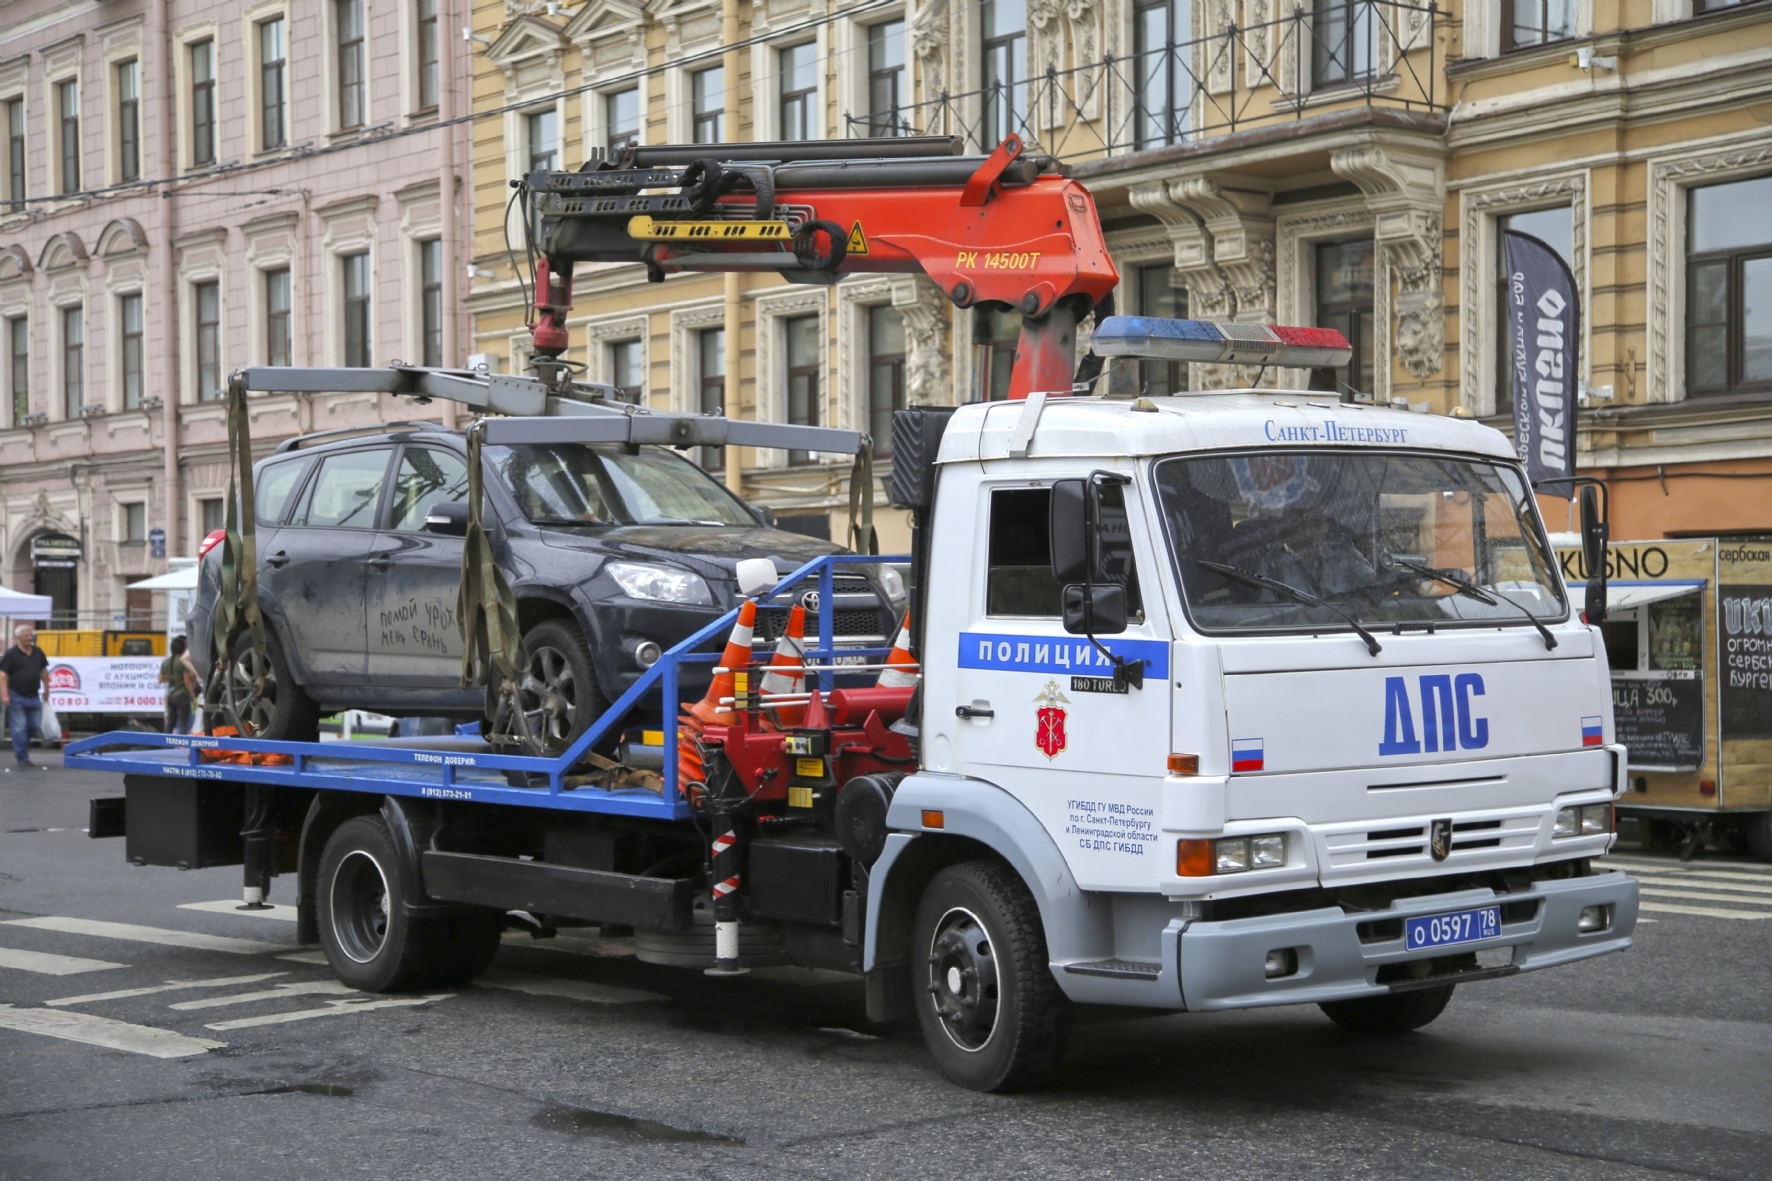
(660,584)
(892,582)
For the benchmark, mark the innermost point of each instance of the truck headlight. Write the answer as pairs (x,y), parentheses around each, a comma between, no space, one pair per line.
(660,584)
(1587,820)
(1194,859)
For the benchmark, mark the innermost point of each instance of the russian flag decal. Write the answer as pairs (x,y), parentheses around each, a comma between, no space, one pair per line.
(1591,734)
(1246,754)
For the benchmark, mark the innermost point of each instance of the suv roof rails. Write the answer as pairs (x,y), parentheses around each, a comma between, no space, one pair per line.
(353,432)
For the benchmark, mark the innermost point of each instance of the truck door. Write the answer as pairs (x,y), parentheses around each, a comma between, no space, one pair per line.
(413,580)
(1087,755)
(314,566)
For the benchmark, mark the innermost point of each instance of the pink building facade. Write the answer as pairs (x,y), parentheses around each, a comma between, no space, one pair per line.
(186,188)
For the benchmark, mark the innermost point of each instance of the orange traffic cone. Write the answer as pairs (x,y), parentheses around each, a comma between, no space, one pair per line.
(787,669)
(691,778)
(901,668)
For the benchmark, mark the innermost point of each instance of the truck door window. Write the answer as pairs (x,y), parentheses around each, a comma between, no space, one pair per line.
(276,483)
(1019,577)
(345,491)
(427,476)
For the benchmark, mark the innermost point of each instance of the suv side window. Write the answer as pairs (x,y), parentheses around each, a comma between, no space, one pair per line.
(276,484)
(427,476)
(345,491)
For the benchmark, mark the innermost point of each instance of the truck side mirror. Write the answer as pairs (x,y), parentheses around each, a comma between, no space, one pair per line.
(1069,531)
(1102,603)
(1593,553)
(448,518)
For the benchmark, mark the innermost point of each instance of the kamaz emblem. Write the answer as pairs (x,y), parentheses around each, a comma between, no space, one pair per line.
(1440,843)
(1448,715)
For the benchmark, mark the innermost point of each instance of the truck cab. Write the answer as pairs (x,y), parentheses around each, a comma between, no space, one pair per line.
(1342,739)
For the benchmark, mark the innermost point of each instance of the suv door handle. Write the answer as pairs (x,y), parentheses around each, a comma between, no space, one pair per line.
(968,711)
(383,560)
(278,559)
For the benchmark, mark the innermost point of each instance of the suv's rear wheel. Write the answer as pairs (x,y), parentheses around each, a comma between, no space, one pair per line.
(557,686)
(260,699)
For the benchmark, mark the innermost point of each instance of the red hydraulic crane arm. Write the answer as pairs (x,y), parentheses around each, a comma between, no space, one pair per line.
(999,230)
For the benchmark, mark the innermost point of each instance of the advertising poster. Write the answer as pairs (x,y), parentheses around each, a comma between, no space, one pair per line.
(106,685)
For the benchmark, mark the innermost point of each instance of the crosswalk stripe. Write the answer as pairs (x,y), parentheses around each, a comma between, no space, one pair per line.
(577,990)
(1711,912)
(305,957)
(169,986)
(1701,883)
(1658,891)
(282,913)
(333,1009)
(102,1031)
(1746,868)
(305,988)
(138,934)
(1734,881)
(51,965)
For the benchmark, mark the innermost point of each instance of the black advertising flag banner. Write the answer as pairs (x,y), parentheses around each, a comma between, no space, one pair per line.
(1544,343)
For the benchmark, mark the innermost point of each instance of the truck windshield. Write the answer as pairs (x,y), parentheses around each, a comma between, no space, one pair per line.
(598,484)
(1365,532)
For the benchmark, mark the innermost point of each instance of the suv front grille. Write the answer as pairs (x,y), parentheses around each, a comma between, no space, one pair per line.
(859,617)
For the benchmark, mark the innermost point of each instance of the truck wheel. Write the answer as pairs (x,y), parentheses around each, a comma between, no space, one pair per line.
(1399,1012)
(991,1012)
(558,692)
(471,946)
(369,942)
(282,711)
(1758,831)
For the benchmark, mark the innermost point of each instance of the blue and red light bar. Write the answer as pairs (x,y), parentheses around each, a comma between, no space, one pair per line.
(1220,342)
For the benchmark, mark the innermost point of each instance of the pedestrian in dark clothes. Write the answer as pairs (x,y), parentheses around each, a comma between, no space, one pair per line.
(21,690)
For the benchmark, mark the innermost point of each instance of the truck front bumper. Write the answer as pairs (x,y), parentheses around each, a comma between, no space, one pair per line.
(1340,956)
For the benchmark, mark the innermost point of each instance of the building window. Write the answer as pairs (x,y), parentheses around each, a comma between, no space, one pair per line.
(627,372)
(430,278)
(1004,25)
(1158,296)
(1341,277)
(356,309)
(67,95)
(1344,42)
(348,21)
(1537,22)
(18,366)
(885,374)
(707,105)
(621,114)
(73,361)
(799,91)
(994,335)
(886,80)
(1729,288)
(129,122)
(15,153)
(710,384)
(129,316)
(206,299)
(277,307)
(429,59)
(1160,30)
(203,103)
(805,359)
(135,524)
(271,58)
(210,510)
(544,139)
(1556,229)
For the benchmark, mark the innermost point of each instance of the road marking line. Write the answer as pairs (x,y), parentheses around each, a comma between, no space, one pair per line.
(304,988)
(1743,868)
(333,1009)
(571,944)
(136,934)
(51,965)
(305,957)
(102,1031)
(284,913)
(1722,881)
(1696,882)
(1707,911)
(576,990)
(169,986)
(1701,895)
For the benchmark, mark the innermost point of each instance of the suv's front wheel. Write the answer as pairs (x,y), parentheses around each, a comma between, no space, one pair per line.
(260,698)
(556,688)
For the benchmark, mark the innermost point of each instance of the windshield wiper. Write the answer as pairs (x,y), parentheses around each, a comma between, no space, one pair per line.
(675,521)
(1472,590)
(1292,592)
(565,521)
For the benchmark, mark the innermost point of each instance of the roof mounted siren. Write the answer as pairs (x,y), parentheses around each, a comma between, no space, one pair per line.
(1214,342)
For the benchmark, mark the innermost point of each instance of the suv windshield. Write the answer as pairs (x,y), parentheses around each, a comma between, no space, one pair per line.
(1374,534)
(602,484)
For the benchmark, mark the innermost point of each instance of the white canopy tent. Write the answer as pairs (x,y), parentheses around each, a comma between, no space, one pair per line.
(18,605)
(180,585)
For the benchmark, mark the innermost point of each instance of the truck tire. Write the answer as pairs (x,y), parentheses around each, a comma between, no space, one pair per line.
(283,712)
(992,1015)
(368,939)
(558,690)
(1398,1012)
(1757,830)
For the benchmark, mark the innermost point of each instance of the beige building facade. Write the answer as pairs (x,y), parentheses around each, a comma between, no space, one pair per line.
(1347,163)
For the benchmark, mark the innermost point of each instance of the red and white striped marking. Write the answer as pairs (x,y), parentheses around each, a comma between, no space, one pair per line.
(724,842)
(729,886)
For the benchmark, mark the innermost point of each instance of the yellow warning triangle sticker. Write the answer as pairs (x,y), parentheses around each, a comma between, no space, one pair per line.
(858,241)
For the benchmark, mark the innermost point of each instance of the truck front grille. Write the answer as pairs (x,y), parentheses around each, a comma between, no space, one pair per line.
(1409,842)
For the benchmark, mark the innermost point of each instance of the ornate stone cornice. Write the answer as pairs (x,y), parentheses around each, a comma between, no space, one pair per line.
(1405,189)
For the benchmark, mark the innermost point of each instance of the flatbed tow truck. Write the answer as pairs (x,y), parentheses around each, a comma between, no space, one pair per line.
(1222,700)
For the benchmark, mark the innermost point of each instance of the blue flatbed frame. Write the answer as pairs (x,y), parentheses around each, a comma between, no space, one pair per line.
(474,776)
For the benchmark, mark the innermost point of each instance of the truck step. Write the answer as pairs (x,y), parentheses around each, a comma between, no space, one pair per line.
(1117,969)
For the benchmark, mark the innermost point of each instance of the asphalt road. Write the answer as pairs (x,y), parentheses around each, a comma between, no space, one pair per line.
(235,1056)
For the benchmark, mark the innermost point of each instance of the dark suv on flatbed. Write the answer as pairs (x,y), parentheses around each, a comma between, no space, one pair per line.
(614,553)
